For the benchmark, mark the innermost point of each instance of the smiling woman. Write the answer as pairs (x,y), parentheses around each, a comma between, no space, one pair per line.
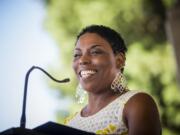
(99,59)
(93,62)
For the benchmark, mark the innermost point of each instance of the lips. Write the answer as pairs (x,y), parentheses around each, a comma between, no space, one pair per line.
(87,73)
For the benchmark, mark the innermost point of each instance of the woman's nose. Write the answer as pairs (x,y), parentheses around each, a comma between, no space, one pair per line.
(84,60)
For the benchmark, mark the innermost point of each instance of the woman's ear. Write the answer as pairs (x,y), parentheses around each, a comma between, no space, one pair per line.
(120,60)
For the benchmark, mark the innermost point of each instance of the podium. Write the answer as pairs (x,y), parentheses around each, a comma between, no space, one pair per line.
(49,128)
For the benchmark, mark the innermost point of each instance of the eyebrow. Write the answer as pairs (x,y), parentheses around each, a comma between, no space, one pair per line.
(94,46)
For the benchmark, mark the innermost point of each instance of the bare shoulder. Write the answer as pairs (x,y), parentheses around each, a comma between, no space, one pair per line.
(142,99)
(140,103)
(141,115)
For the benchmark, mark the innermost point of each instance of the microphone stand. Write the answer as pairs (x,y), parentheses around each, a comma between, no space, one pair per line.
(23,116)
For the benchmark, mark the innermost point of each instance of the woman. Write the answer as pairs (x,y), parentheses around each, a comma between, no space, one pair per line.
(99,59)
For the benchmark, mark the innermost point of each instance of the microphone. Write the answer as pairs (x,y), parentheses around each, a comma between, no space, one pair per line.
(23,116)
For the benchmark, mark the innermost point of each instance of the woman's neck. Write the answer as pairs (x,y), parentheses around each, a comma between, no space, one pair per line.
(98,101)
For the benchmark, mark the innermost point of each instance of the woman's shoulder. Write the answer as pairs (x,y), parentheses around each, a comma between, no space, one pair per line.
(141,114)
(136,95)
(139,97)
(139,100)
(128,95)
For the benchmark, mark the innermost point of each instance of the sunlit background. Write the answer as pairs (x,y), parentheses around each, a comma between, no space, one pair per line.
(43,32)
(24,43)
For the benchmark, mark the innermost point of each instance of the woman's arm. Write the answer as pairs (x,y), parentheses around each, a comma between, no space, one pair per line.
(141,115)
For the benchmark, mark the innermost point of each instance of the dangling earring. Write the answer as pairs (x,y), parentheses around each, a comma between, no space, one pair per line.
(80,94)
(119,83)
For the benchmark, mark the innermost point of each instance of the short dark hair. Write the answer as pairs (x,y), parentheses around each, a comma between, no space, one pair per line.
(110,35)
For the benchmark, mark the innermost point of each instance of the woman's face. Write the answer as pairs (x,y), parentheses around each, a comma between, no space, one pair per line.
(94,63)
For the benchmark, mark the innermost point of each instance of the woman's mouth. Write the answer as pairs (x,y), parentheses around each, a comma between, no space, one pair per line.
(87,73)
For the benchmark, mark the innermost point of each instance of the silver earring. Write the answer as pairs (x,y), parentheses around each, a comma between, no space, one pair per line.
(119,83)
(80,94)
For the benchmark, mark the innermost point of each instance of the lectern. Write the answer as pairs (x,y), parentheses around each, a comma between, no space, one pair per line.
(49,128)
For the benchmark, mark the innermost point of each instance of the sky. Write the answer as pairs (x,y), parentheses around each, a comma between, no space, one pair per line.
(24,42)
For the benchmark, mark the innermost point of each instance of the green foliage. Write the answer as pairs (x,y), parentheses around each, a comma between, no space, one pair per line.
(150,65)
(169,3)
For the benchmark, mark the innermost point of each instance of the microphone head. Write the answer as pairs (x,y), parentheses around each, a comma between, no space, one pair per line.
(65,80)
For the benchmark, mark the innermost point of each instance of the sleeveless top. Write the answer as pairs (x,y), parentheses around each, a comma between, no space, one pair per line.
(109,120)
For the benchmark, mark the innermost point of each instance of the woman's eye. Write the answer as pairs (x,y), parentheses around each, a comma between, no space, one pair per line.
(76,55)
(96,52)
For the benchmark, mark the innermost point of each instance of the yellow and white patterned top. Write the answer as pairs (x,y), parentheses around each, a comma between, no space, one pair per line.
(108,120)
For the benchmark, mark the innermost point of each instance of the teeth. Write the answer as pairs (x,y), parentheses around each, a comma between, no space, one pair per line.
(87,73)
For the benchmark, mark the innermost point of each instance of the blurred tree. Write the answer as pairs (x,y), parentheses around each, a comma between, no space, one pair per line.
(173,32)
(150,63)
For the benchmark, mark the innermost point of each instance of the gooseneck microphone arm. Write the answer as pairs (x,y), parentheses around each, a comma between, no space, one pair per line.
(23,116)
